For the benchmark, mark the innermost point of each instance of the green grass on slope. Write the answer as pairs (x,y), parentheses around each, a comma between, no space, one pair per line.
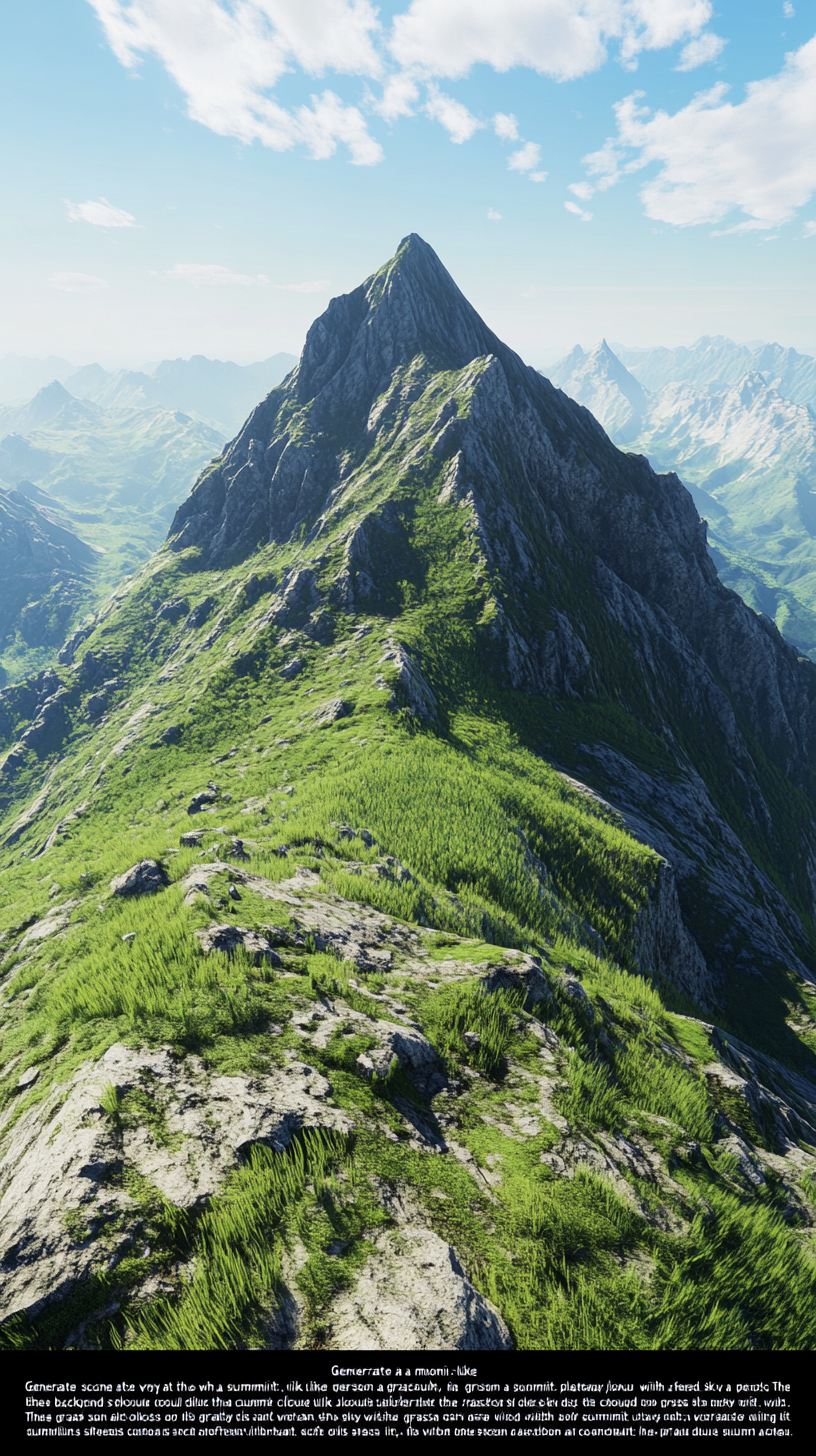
(487,842)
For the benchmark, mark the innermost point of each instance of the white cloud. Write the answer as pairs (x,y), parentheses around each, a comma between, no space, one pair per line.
(715,157)
(211,275)
(605,164)
(809,230)
(77,282)
(526,159)
(320,285)
(455,117)
(226,59)
(788,10)
(701,52)
(493,215)
(579,211)
(227,56)
(582,190)
(399,94)
(505,127)
(100,214)
(559,38)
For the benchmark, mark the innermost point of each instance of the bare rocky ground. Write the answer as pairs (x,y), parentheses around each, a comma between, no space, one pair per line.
(74,1171)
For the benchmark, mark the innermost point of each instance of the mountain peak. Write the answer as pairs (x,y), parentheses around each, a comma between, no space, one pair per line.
(44,407)
(410,306)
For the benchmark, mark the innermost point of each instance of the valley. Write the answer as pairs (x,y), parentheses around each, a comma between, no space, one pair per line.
(107,464)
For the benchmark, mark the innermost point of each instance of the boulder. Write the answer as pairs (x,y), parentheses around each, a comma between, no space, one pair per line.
(192,838)
(144,878)
(329,712)
(413,1294)
(525,976)
(171,734)
(229,938)
(575,991)
(292,668)
(201,801)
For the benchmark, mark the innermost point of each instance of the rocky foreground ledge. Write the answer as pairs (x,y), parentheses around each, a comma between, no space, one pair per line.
(85,1169)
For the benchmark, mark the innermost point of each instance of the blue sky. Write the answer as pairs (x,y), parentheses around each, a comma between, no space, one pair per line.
(200,176)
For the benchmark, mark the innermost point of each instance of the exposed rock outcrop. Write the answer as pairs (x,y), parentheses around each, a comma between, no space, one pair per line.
(664,946)
(230,938)
(60,1162)
(413,1294)
(144,878)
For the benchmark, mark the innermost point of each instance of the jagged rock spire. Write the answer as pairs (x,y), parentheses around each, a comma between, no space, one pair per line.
(410,306)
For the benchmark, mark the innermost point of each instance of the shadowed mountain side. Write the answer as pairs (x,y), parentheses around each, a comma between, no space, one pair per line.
(45,570)
(748,456)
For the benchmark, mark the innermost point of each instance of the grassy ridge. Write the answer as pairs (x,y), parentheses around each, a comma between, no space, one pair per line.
(470,833)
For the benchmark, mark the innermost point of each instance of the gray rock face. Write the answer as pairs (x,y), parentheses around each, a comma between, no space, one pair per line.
(229,938)
(60,1157)
(331,711)
(352,932)
(400,1041)
(414,1295)
(664,945)
(144,878)
(57,919)
(421,697)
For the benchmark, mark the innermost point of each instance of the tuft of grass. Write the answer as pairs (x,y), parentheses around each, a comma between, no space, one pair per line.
(241,1242)
(658,1083)
(467,1008)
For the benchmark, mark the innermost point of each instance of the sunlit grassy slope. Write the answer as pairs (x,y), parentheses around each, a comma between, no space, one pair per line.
(501,851)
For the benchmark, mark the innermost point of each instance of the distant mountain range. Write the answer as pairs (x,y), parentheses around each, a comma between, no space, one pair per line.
(744,447)
(716,362)
(85,451)
(217,392)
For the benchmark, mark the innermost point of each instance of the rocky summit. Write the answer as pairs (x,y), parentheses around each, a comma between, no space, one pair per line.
(474,1006)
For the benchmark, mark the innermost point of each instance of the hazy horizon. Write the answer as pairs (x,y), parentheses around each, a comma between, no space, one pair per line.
(113,365)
